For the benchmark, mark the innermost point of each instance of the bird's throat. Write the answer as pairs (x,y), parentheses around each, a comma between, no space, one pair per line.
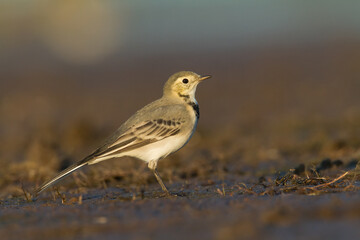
(196,108)
(192,102)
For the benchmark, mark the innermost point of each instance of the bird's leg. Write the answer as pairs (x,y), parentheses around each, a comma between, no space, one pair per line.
(152,165)
(158,178)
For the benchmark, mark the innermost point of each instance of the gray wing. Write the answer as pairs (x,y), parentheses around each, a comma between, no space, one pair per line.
(138,135)
(152,123)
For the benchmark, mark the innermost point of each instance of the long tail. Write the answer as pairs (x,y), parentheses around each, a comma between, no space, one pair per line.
(61,175)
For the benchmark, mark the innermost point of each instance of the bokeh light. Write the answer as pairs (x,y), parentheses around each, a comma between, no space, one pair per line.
(83,31)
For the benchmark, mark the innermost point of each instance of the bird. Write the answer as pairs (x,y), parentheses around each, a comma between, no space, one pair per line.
(155,131)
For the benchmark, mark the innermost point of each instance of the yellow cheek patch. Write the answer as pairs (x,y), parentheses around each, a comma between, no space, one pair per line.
(179,88)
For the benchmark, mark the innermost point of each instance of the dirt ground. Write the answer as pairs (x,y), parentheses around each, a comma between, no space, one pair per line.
(274,157)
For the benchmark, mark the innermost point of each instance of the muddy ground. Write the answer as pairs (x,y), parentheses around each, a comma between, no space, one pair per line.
(274,156)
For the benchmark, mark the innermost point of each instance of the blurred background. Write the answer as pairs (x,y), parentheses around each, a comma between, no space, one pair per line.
(286,75)
(284,92)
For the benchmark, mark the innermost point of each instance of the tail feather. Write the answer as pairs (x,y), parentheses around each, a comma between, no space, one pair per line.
(60,176)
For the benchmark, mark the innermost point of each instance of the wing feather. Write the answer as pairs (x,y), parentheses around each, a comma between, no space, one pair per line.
(137,136)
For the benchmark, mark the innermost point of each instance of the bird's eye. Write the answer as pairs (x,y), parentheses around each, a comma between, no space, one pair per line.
(185,80)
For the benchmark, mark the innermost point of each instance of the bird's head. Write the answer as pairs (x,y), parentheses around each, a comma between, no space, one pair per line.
(183,84)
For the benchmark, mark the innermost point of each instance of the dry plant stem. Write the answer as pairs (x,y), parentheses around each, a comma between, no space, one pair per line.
(25,193)
(63,198)
(245,188)
(221,192)
(329,183)
(223,189)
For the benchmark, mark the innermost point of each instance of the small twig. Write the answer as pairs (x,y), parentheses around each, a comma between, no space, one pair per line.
(245,188)
(63,198)
(238,185)
(25,193)
(80,199)
(220,192)
(105,186)
(329,183)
